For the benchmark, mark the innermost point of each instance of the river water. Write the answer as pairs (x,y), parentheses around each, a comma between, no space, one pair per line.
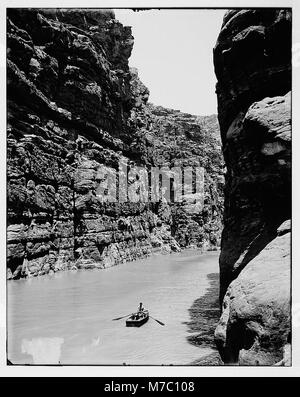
(67,317)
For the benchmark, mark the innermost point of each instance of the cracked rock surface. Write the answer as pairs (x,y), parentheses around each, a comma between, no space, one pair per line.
(75,111)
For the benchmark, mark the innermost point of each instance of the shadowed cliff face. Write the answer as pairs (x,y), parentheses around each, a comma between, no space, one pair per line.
(252,60)
(74,108)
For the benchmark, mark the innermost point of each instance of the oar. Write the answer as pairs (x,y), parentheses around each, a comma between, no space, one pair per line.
(159,322)
(119,318)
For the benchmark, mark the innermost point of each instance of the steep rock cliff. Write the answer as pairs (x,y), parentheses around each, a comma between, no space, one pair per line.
(252,60)
(170,138)
(75,109)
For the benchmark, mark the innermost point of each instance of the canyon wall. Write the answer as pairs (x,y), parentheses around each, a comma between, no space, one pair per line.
(75,112)
(252,61)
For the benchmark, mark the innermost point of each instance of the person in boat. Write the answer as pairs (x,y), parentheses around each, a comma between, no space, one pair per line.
(141,309)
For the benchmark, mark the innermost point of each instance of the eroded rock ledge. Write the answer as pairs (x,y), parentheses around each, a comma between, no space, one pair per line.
(253,65)
(75,107)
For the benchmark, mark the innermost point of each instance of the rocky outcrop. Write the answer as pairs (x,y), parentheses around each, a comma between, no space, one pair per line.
(253,66)
(75,109)
(170,138)
(254,328)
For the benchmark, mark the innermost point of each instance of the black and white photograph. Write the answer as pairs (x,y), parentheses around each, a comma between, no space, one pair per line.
(148,186)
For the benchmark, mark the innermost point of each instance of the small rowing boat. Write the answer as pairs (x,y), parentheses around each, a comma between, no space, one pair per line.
(137,319)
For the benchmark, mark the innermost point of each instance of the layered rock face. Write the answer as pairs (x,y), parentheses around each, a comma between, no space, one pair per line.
(170,138)
(185,141)
(252,60)
(75,111)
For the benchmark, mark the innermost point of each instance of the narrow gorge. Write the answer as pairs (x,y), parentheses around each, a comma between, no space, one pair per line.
(76,110)
(74,107)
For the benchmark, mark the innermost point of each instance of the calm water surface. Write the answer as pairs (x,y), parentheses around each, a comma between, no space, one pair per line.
(67,317)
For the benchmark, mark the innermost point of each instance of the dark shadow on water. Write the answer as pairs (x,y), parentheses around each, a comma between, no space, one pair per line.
(204,316)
